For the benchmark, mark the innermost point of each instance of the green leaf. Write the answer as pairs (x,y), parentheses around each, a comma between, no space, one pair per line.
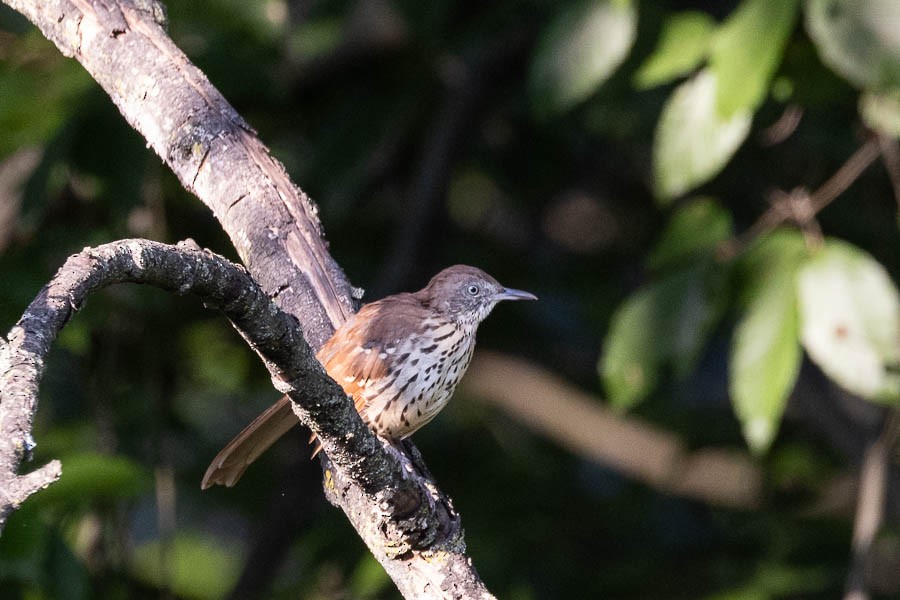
(36,101)
(665,324)
(693,143)
(578,51)
(695,229)
(213,357)
(683,44)
(369,579)
(765,350)
(778,580)
(746,50)
(881,111)
(33,553)
(88,478)
(858,39)
(190,565)
(315,38)
(850,320)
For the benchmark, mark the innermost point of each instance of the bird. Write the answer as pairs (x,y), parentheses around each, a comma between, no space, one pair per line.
(399,359)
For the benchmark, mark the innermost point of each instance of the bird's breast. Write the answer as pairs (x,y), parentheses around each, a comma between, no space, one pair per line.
(422,374)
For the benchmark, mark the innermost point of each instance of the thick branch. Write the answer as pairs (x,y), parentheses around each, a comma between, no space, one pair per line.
(393,503)
(275,229)
(632,447)
(274,226)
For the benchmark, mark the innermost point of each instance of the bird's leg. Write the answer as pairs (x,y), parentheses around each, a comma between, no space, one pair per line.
(415,458)
(411,463)
(396,448)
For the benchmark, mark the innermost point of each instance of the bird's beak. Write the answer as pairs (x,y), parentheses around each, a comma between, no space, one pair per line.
(511,294)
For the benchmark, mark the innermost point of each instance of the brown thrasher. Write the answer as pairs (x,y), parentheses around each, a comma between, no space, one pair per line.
(400,358)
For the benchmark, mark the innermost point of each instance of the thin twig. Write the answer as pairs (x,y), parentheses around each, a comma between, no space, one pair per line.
(890,155)
(870,507)
(782,129)
(801,207)
(849,172)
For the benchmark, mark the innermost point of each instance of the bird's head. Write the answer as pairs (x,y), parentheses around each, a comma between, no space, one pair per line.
(467,295)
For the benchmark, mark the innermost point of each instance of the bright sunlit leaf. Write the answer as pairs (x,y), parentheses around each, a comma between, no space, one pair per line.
(765,350)
(881,111)
(695,229)
(682,46)
(693,143)
(578,51)
(663,326)
(850,320)
(859,39)
(746,50)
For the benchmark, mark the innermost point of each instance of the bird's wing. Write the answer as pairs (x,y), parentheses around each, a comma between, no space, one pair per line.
(362,351)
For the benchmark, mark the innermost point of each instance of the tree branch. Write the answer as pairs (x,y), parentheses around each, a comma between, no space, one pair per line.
(638,450)
(394,503)
(800,206)
(275,228)
(211,149)
(871,498)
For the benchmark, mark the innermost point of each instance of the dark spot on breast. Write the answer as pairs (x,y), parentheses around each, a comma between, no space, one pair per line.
(406,385)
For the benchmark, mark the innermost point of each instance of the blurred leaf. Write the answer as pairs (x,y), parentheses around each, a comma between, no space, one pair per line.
(798,464)
(693,143)
(779,580)
(682,46)
(859,39)
(190,565)
(881,111)
(765,350)
(37,557)
(66,577)
(369,578)
(260,22)
(746,50)
(88,478)
(39,87)
(214,357)
(579,50)
(665,324)
(850,320)
(315,38)
(23,546)
(65,438)
(695,228)
(76,337)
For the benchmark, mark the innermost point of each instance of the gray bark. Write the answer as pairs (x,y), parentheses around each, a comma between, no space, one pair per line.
(409,526)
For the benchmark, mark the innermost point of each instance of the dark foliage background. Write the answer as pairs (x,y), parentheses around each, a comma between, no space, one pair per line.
(413,127)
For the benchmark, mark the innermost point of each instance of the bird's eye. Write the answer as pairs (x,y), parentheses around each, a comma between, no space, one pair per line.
(473,290)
